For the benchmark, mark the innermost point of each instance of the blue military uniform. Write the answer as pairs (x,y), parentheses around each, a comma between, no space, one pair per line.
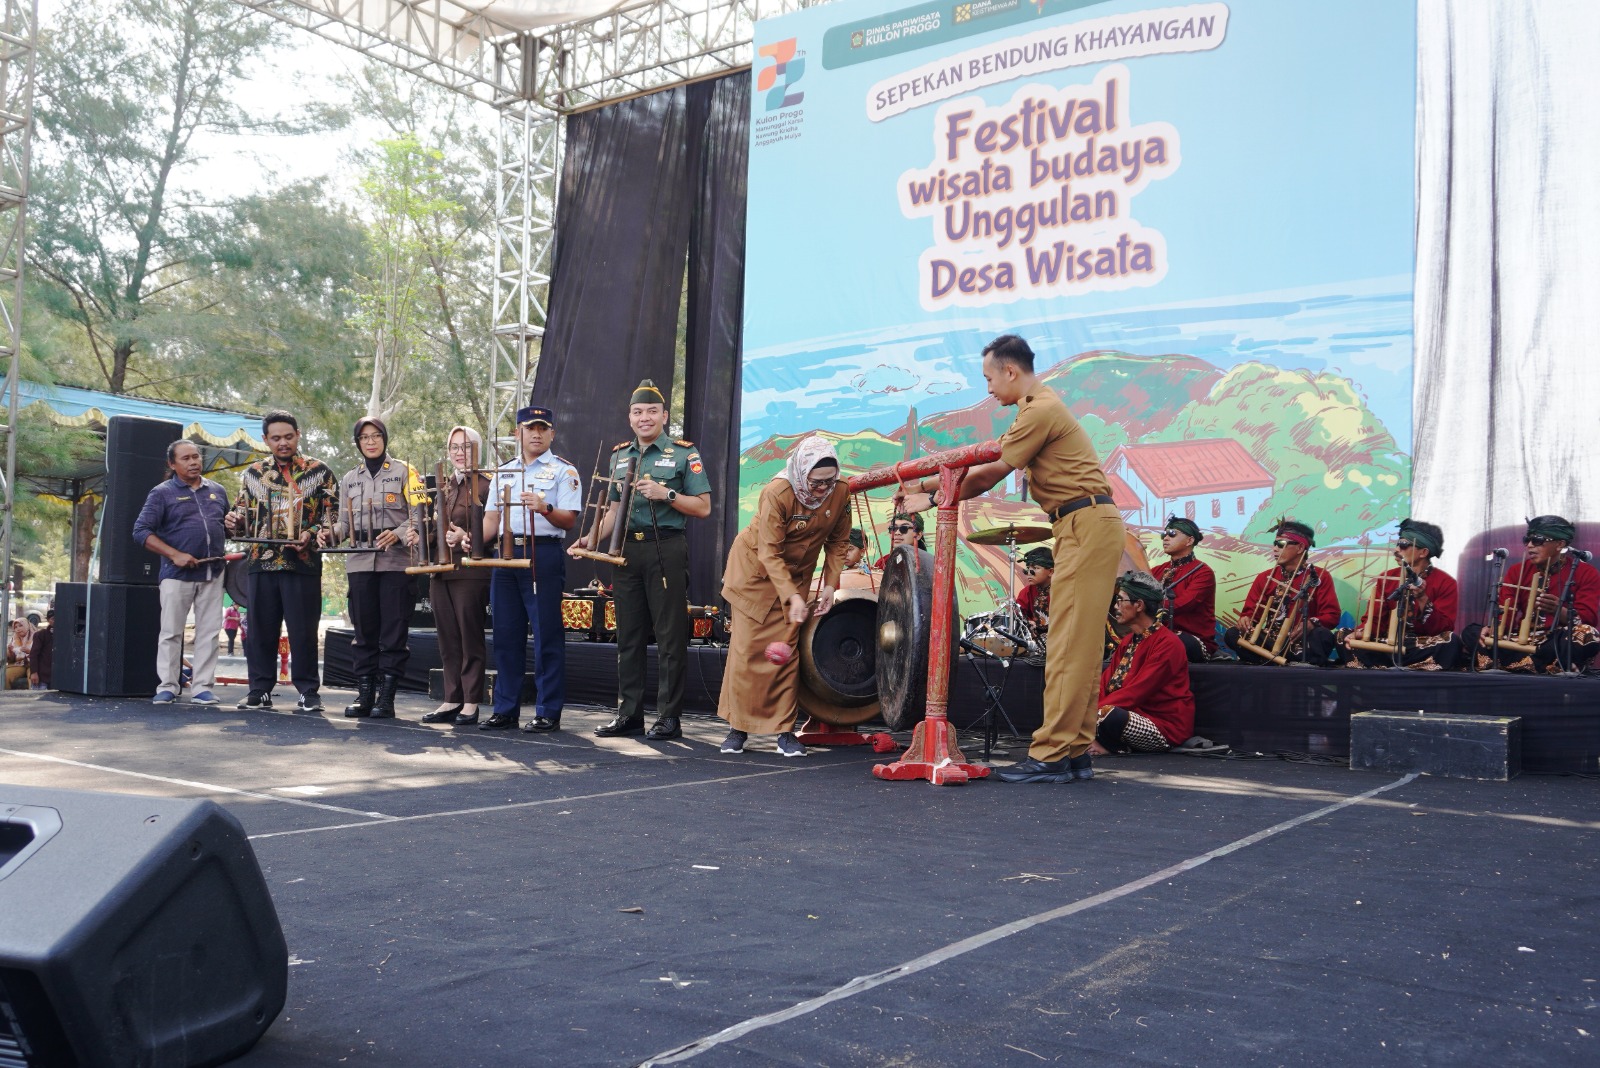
(520,599)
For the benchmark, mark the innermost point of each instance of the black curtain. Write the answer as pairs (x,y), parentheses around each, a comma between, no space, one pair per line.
(622,232)
(646,186)
(719,123)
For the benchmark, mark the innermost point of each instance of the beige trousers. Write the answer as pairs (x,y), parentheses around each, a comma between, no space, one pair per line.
(1088,548)
(178,598)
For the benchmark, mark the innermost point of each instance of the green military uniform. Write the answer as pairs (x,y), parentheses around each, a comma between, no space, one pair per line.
(652,591)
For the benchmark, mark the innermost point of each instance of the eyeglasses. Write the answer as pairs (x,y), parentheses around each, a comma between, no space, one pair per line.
(1403,544)
(1121,599)
(461,448)
(370,437)
(822,483)
(1536,539)
(902,528)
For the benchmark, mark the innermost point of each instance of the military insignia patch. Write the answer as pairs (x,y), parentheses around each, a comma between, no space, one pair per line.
(389,498)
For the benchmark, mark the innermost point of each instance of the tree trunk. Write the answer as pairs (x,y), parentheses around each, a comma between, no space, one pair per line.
(83,537)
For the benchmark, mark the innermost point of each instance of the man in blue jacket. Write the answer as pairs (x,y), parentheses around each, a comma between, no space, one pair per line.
(182,521)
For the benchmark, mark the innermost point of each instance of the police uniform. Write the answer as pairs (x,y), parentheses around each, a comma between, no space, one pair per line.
(652,591)
(379,598)
(521,598)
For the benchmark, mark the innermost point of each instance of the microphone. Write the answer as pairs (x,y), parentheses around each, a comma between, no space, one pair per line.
(978,650)
(1498,554)
(1581,554)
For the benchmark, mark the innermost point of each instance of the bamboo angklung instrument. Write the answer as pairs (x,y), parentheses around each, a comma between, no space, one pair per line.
(1275,620)
(600,503)
(504,559)
(1527,637)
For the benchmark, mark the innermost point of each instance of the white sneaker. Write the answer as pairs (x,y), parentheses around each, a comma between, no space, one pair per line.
(789,745)
(734,742)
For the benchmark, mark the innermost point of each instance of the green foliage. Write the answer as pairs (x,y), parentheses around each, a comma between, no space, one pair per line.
(1105,436)
(1334,464)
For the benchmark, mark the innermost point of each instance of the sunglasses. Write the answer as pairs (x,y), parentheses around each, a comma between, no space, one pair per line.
(1536,539)
(1172,534)
(1403,544)
(1283,544)
(902,528)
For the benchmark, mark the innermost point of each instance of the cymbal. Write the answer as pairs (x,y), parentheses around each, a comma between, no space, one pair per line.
(1002,535)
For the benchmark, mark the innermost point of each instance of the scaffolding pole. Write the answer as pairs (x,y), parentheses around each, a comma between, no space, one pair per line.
(18,46)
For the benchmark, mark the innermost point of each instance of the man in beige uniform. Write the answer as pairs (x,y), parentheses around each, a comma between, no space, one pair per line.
(1065,477)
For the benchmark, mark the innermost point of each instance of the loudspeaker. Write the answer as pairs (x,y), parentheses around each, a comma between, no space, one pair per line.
(106,640)
(136,462)
(133,931)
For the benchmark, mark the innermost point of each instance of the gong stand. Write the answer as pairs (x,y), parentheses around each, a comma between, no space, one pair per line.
(935,753)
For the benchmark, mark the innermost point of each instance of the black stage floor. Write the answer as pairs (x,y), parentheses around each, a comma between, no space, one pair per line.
(1259,708)
(453,897)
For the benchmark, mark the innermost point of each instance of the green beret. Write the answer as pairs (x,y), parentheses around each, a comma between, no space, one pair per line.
(1424,535)
(647,393)
(1040,557)
(1553,527)
(1185,527)
(1143,586)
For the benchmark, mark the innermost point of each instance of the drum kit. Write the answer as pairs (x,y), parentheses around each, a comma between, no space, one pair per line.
(1006,633)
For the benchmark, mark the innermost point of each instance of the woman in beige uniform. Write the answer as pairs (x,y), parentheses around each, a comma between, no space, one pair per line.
(459,597)
(801,512)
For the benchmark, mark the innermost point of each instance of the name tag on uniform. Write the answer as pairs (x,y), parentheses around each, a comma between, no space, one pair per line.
(666,463)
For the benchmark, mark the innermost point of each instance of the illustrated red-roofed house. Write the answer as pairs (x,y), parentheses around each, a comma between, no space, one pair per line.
(1213,481)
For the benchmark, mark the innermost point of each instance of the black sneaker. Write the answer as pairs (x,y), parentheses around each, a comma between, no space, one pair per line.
(789,745)
(1034,770)
(734,742)
(309,702)
(255,699)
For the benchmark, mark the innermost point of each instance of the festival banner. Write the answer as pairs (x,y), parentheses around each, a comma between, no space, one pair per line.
(1199,215)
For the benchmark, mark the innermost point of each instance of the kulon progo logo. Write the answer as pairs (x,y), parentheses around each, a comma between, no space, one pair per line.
(778,80)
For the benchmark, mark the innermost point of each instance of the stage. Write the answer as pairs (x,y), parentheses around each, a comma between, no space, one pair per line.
(1253,708)
(453,896)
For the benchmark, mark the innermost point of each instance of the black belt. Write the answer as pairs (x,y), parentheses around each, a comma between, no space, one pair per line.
(654,535)
(523,539)
(1081,502)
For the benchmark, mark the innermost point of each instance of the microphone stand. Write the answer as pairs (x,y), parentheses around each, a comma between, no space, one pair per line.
(1304,597)
(1561,633)
(1497,566)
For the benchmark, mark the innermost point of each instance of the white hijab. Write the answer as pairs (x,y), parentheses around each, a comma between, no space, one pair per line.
(810,452)
(473,438)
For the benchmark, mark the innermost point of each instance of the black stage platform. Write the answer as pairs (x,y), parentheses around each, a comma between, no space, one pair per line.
(1265,709)
(464,898)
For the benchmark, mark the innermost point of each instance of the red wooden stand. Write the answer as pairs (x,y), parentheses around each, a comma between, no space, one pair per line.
(934,753)
(816,732)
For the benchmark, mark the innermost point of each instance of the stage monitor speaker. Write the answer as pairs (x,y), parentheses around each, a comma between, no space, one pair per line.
(133,931)
(136,461)
(106,639)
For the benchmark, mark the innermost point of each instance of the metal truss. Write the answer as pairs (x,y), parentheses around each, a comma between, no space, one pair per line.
(527,175)
(442,42)
(19,29)
(535,77)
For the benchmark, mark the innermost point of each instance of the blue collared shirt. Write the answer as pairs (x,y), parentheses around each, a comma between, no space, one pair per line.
(548,474)
(189,520)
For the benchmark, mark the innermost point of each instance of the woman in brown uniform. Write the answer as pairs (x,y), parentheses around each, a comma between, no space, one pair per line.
(801,512)
(459,596)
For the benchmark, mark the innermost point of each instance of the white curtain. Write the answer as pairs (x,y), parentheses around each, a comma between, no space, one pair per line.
(1507,397)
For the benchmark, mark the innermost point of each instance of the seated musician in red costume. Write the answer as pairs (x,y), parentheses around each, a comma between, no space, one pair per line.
(1190,608)
(1146,705)
(904,529)
(1283,597)
(1429,598)
(1038,568)
(1564,589)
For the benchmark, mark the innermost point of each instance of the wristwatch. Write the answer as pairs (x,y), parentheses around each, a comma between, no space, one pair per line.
(672,495)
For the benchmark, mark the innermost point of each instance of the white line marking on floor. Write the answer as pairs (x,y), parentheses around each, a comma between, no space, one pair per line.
(375,817)
(534,804)
(863,983)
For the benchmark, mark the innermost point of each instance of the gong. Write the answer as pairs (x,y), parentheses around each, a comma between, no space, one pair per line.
(905,630)
(838,660)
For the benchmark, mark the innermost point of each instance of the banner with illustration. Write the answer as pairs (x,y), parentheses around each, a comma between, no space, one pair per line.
(1199,215)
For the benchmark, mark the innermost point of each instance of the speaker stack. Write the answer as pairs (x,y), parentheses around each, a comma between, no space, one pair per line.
(107,630)
(133,931)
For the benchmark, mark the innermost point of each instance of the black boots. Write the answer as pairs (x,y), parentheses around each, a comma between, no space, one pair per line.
(366,690)
(383,707)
